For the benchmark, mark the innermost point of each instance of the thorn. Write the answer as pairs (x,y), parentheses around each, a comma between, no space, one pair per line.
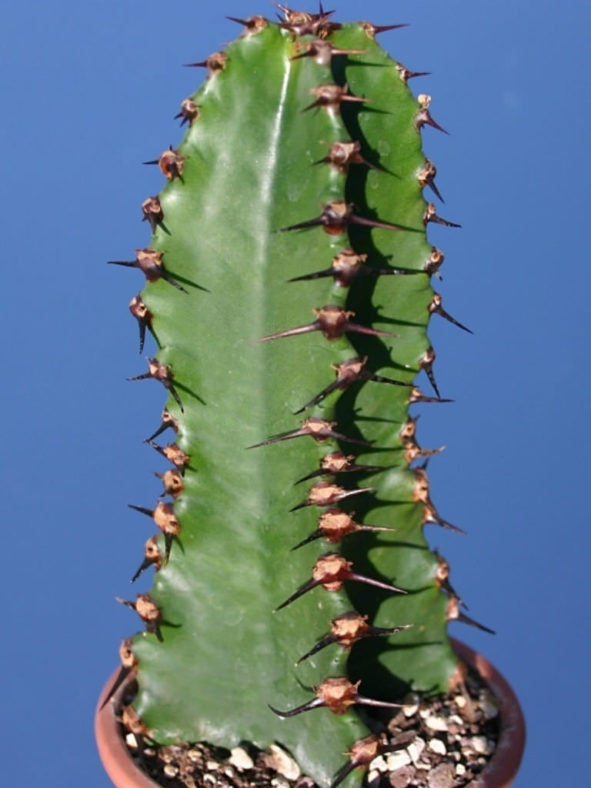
(173,454)
(214,63)
(373,30)
(346,266)
(405,74)
(434,262)
(430,215)
(361,754)
(430,515)
(311,704)
(189,112)
(426,362)
(442,578)
(335,218)
(337,462)
(304,24)
(416,395)
(338,695)
(323,51)
(152,556)
(423,118)
(162,373)
(153,213)
(426,177)
(421,495)
(171,162)
(412,448)
(148,611)
(436,307)
(172,482)
(167,420)
(453,613)
(330,97)
(333,322)
(252,24)
(128,664)
(342,154)
(166,520)
(143,316)
(149,262)
(347,629)
(319,429)
(330,571)
(327,493)
(350,371)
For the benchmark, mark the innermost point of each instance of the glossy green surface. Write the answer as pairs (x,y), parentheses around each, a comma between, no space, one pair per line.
(249,172)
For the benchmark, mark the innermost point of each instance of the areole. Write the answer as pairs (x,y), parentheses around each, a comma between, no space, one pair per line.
(499,772)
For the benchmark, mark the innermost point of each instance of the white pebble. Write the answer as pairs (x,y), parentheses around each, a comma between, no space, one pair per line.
(240,759)
(373,775)
(379,763)
(481,745)
(460,701)
(170,770)
(460,770)
(436,723)
(397,759)
(131,741)
(279,782)
(415,749)
(284,764)
(212,766)
(489,708)
(437,746)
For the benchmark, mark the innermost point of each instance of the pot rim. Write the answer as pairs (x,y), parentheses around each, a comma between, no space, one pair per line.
(499,772)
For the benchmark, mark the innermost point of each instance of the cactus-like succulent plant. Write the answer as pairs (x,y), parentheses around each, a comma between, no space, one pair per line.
(288,292)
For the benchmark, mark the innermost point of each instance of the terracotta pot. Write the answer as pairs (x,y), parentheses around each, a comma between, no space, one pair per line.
(499,773)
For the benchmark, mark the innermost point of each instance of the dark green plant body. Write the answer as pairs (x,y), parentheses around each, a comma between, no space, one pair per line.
(252,164)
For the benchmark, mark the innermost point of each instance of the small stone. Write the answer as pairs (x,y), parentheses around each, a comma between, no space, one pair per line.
(212,766)
(437,746)
(240,759)
(170,770)
(460,770)
(396,760)
(194,756)
(415,749)
(283,763)
(208,778)
(442,776)
(401,778)
(228,771)
(410,704)
(131,741)
(460,701)
(481,745)
(372,775)
(488,706)
(280,782)
(379,764)
(436,723)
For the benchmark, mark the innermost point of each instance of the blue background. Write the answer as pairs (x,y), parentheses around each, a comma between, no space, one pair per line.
(89,90)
